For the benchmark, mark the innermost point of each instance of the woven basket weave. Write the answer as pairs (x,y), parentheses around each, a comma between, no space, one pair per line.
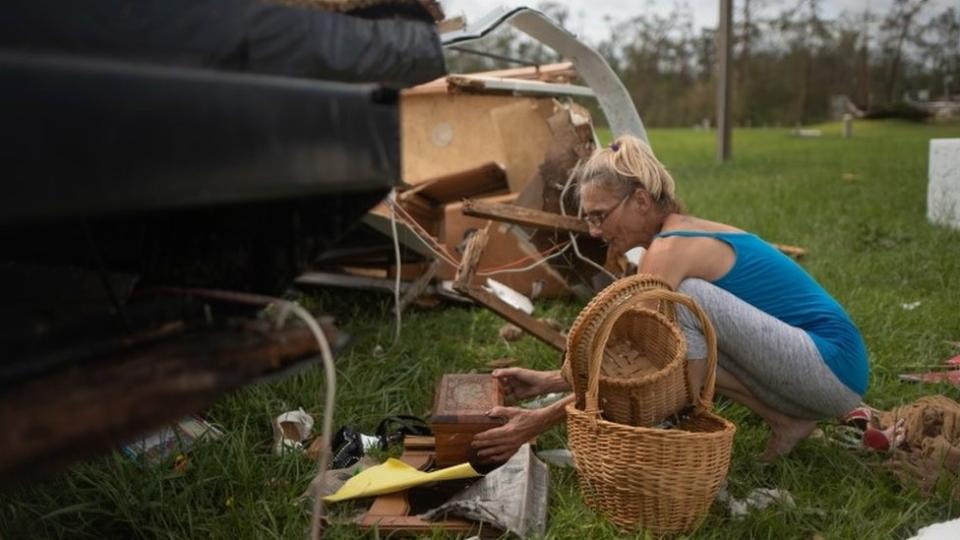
(643,376)
(663,480)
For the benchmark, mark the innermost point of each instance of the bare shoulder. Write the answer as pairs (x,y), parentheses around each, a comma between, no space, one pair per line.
(699,256)
(683,222)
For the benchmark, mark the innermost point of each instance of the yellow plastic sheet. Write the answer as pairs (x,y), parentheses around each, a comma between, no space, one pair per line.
(395,475)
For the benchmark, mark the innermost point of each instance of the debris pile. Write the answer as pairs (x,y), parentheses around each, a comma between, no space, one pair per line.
(486,153)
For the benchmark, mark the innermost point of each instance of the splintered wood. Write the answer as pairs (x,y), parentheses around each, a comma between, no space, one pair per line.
(471,255)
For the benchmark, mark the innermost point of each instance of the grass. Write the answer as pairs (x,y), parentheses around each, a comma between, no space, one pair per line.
(857,205)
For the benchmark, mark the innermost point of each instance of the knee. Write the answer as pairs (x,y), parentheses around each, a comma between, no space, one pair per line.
(693,287)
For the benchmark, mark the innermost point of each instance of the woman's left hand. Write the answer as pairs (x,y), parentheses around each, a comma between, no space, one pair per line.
(500,443)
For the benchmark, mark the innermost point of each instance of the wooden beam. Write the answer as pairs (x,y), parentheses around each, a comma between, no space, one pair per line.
(484,180)
(527,217)
(418,286)
(55,419)
(537,329)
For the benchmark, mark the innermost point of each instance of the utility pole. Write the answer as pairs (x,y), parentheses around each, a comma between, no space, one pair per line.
(724,137)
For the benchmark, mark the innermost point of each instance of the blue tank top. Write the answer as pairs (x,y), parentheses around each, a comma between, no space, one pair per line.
(772,282)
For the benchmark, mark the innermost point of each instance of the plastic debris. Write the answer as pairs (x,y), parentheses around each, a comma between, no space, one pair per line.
(758,499)
(510,296)
(394,475)
(510,333)
(290,429)
(946,530)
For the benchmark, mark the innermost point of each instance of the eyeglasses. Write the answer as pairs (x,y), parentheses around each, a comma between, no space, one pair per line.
(596,219)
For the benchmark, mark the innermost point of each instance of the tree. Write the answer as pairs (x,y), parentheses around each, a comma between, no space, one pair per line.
(896,26)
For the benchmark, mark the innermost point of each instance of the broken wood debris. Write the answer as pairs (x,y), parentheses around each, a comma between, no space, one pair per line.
(492,150)
(486,179)
(198,366)
(418,287)
(562,72)
(538,329)
(528,217)
(519,87)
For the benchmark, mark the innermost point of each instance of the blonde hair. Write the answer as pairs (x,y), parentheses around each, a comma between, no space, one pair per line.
(628,163)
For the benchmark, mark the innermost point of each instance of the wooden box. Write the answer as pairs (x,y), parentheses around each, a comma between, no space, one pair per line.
(459,412)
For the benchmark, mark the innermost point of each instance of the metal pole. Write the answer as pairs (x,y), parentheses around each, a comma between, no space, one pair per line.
(724,136)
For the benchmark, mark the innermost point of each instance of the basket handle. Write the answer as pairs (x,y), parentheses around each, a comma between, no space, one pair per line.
(705,400)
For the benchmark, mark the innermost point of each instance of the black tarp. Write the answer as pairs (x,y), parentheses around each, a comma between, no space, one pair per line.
(241,35)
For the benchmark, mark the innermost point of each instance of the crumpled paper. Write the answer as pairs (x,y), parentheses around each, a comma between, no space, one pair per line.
(512,497)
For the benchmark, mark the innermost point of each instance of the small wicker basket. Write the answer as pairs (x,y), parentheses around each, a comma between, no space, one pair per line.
(663,480)
(643,375)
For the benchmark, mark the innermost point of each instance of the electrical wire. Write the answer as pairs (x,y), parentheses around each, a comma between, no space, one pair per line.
(573,237)
(396,252)
(330,374)
(423,235)
(526,268)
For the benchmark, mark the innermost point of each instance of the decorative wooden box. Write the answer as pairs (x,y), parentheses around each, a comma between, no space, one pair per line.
(459,412)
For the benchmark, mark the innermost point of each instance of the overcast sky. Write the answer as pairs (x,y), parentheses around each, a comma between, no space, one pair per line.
(587,16)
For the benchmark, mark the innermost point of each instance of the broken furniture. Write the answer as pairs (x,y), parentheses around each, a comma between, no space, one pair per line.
(503,137)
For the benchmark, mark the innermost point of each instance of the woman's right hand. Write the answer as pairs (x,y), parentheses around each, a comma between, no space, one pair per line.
(521,383)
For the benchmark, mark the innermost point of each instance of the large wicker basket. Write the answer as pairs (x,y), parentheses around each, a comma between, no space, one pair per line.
(643,375)
(663,480)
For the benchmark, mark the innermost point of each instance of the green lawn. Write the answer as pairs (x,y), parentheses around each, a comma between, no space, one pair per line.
(857,205)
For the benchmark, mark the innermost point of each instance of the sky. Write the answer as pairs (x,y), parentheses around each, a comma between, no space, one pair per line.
(587,17)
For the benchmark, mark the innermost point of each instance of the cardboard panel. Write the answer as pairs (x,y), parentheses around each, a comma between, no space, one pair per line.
(443,134)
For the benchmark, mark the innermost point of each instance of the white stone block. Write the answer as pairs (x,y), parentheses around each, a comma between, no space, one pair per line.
(943,190)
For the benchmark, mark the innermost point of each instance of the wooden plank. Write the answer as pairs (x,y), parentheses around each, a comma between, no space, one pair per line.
(379,219)
(70,414)
(526,217)
(516,87)
(471,256)
(560,72)
(486,179)
(418,287)
(537,329)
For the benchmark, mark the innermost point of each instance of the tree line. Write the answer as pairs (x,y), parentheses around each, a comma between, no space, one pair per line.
(790,62)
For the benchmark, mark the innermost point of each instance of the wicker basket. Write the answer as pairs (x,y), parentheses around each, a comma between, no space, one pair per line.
(663,480)
(643,375)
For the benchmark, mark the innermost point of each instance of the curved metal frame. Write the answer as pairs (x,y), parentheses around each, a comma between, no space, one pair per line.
(612,96)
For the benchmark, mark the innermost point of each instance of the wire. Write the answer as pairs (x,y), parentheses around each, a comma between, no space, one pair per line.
(330,374)
(526,268)
(573,237)
(396,253)
(423,235)
(524,259)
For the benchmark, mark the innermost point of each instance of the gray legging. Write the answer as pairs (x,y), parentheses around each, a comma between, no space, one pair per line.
(777,362)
